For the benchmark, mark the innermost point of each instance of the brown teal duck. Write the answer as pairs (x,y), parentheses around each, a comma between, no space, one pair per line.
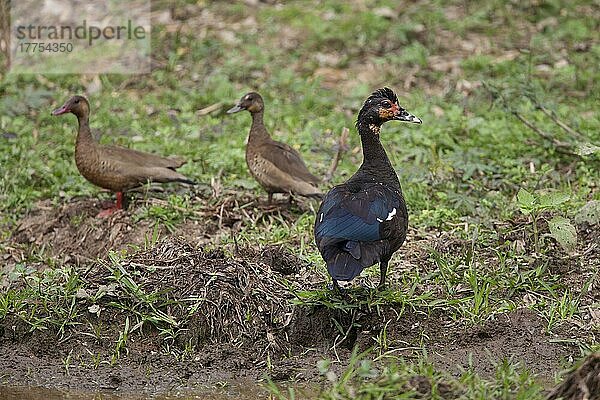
(277,167)
(116,168)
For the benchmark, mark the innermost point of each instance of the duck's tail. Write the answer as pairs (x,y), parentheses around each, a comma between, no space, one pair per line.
(164,175)
(346,260)
(343,267)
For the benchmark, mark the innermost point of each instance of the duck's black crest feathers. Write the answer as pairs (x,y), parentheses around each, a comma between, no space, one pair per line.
(383,93)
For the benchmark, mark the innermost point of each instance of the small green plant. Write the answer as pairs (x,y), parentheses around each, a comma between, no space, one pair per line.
(381,341)
(481,287)
(561,308)
(561,228)
(121,344)
(67,362)
(96,359)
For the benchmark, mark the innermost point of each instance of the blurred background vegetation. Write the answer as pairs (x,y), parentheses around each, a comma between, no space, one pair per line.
(466,68)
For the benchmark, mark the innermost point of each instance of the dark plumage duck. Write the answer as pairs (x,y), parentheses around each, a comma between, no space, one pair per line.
(116,168)
(364,220)
(277,167)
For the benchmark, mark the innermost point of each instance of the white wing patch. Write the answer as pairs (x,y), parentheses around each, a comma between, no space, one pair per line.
(389,217)
(321,218)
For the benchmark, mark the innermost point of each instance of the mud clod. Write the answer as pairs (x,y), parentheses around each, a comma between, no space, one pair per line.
(280,260)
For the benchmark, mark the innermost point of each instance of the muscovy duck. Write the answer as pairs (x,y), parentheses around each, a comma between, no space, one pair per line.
(364,220)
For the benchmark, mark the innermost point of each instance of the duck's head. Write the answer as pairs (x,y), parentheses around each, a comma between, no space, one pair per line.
(77,105)
(382,106)
(252,102)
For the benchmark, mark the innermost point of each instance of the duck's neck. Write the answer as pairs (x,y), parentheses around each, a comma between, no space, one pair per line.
(376,165)
(84,134)
(258,132)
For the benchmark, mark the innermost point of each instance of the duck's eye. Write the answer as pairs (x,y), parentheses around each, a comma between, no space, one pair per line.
(76,101)
(386,104)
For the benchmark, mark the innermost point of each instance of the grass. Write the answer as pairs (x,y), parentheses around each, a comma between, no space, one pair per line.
(473,171)
(389,377)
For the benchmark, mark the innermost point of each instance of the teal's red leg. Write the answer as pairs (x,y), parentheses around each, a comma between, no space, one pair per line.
(118,206)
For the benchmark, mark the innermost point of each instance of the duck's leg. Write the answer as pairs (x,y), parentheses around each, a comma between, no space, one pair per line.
(270,198)
(118,206)
(337,290)
(383,265)
(335,286)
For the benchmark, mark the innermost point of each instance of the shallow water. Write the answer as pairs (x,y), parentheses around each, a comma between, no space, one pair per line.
(241,392)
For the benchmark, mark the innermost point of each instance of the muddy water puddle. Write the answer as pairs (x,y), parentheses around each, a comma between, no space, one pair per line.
(247,391)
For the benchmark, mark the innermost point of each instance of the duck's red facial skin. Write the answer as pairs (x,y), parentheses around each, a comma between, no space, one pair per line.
(382,106)
(388,113)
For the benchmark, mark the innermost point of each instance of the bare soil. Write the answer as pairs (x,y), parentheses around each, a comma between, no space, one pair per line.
(248,322)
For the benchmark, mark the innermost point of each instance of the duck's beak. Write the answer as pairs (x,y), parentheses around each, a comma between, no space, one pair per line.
(234,109)
(62,110)
(405,116)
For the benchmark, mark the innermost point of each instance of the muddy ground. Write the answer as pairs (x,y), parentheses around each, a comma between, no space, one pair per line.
(249,317)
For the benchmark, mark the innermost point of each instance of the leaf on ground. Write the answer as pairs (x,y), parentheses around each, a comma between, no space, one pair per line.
(551,200)
(525,200)
(564,232)
(590,213)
